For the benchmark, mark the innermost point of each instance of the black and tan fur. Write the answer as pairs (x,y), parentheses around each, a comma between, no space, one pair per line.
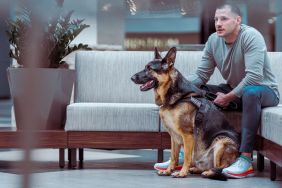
(179,119)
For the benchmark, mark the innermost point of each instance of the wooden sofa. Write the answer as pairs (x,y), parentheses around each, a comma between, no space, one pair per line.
(109,111)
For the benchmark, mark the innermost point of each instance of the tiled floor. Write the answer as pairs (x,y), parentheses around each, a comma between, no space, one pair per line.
(119,168)
(106,169)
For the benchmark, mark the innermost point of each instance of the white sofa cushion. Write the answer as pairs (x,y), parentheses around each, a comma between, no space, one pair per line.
(112,117)
(271,124)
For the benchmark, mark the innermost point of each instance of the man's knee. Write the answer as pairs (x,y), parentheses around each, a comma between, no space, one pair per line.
(250,93)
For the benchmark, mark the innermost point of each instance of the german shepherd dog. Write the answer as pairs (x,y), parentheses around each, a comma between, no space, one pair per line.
(207,148)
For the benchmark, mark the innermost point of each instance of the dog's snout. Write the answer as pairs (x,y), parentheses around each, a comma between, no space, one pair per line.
(134,78)
(140,77)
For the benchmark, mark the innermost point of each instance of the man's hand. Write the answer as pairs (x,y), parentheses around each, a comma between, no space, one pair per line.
(224,99)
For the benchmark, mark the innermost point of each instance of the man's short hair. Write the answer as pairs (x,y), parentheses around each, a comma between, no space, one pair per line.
(233,7)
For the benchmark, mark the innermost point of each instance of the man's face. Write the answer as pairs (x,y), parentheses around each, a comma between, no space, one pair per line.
(226,22)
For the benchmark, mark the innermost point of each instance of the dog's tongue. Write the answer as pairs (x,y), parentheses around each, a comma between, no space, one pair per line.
(147,85)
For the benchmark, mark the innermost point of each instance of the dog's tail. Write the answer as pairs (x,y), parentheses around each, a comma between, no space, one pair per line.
(215,174)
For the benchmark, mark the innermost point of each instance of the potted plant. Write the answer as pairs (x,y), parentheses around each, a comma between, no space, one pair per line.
(41,83)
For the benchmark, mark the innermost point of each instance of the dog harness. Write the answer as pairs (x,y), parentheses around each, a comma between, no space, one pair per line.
(210,120)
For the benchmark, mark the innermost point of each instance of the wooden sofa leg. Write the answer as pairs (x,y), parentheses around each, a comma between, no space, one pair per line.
(80,156)
(72,161)
(260,162)
(62,157)
(160,155)
(272,171)
(69,158)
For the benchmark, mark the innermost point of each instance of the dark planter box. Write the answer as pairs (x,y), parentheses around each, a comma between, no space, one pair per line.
(40,96)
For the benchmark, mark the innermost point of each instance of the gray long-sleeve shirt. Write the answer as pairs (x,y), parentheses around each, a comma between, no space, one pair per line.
(243,63)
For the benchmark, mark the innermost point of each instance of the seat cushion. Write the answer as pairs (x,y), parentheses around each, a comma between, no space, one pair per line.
(271,124)
(112,117)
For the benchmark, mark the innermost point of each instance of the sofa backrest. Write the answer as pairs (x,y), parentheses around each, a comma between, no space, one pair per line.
(104,76)
(187,61)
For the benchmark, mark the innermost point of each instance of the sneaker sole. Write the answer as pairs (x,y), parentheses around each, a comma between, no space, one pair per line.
(249,173)
(177,168)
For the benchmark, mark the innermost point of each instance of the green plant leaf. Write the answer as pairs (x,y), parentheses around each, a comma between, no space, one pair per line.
(58,34)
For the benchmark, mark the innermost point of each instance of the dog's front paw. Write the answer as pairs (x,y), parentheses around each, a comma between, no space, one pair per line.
(179,174)
(164,172)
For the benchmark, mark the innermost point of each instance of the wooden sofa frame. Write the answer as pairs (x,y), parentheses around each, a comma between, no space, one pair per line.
(73,140)
(57,139)
(160,141)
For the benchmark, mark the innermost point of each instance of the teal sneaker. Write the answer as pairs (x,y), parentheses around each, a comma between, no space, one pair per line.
(241,168)
(164,165)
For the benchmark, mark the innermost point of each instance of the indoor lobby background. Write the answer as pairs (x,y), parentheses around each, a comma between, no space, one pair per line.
(133,25)
(143,24)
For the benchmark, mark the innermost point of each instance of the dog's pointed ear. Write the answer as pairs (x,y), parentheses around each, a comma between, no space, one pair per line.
(170,56)
(157,54)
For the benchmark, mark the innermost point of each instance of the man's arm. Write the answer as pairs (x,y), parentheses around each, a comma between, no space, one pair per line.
(254,56)
(255,52)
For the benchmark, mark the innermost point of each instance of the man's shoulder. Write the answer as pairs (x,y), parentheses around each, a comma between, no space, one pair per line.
(214,38)
(248,31)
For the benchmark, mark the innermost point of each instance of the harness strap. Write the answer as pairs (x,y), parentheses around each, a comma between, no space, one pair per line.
(202,109)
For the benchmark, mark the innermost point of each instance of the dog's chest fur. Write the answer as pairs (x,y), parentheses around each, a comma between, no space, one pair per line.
(168,120)
(178,120)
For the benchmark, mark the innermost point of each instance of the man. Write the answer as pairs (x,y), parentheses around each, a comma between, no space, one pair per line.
(240,54)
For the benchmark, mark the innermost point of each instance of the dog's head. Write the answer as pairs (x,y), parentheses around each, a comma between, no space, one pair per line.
(156,71)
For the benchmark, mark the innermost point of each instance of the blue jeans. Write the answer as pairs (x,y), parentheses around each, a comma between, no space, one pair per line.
(254,98)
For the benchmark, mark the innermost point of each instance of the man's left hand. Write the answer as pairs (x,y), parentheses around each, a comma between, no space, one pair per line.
(224,99)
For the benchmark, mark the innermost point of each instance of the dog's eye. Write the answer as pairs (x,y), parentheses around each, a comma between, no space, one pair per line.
(148,67)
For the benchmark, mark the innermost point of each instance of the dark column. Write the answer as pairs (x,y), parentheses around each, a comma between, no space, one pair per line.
(258,16)
(207,18)
(5,61)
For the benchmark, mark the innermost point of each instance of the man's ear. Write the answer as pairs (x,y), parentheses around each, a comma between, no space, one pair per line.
(170,56)
(157,54)
(239,19)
